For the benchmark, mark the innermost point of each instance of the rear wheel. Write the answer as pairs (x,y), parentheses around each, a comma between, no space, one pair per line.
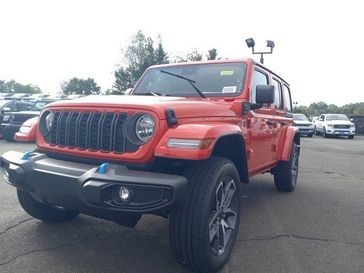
(44,212)
(285,174)
(204,229)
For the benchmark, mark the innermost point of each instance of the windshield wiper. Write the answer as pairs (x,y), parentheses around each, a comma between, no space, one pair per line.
(192,82)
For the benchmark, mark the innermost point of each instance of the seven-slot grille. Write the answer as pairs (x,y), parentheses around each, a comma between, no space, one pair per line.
(95,131)
(303,125)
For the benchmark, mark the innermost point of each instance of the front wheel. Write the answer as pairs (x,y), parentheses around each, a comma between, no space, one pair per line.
(285,174)
(204,229)
(44,212)
(351,137)
(324,134)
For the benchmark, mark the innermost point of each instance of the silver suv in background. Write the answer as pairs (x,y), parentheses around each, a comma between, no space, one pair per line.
(305,126)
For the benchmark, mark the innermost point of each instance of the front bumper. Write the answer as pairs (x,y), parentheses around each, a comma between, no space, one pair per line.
(306,130)
(87,189)
(340,132)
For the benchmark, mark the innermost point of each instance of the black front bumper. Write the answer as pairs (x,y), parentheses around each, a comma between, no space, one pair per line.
(90,189)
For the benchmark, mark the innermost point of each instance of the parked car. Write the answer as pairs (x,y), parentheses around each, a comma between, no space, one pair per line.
(178,146)
(335,125)
(9,127)
(8,107)
(35,97)
(18,96)
(5,95)
(305,126)
(27,130)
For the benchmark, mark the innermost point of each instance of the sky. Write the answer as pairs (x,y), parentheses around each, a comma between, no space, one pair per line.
(318,43)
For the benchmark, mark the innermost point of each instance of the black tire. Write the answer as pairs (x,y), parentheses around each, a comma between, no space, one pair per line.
(193,224)
(285,174)
(44,212)
(316,132)
(310,135)
(350,137)
(8,135)
(324,133)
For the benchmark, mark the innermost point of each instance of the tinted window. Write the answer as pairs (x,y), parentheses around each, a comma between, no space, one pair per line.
(300,117)
(336,117)
(259,78)
(277,94)
(287,98)
(222,79)
(22,106)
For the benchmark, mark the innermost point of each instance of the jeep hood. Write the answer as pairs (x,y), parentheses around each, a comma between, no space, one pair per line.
(183,107)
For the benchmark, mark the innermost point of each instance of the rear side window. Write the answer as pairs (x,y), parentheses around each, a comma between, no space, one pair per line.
(287,98)
(259,78)
(277,94)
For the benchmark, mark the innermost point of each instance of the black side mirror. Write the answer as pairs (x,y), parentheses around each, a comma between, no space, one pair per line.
(264,94)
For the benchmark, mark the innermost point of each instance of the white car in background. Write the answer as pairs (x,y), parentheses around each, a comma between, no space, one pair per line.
(305,126)
(335,125)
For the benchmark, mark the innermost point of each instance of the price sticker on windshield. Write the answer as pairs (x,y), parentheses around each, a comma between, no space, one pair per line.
(229,89)
(226,72)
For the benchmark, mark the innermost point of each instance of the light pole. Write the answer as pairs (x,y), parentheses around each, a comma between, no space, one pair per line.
(251,43)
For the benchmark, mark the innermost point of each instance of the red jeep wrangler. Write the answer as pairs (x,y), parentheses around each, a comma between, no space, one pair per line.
(178,146)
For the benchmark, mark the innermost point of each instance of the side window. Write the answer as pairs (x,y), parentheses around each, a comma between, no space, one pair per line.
(287,98)
(277,94)
(259,78)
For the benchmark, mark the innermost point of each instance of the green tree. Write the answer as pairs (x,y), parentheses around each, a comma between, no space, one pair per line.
(194,56)
(14,87)
(139,54)
(80,86)
(212,54)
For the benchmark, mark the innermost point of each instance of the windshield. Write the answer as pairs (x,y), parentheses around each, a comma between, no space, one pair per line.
(336,117)
(300,117)
(39,105)
(223,79)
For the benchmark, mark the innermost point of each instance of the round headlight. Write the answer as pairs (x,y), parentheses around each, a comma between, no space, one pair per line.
(46,122)
(144,128)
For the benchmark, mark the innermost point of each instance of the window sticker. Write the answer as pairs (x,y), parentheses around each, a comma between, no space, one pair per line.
(226,72)
(229,89)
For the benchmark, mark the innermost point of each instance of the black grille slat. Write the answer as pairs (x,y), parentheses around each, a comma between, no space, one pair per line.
(83,130)
(54,133)
(119,135)
(72,129)
(95,131)
(63,129)
(107,132)
(94,135)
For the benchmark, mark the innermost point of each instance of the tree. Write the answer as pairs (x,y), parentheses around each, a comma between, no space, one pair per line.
(194,56)
(80,86)
(212,54)
(14,87)
(140,54)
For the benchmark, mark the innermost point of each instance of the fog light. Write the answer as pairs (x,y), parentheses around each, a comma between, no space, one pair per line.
(124,194)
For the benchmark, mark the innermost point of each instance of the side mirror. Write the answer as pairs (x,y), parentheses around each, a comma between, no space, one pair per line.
(264,94)
(352,120)
(7,110)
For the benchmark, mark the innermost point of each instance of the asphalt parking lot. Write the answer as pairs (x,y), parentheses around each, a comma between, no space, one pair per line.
(317,228)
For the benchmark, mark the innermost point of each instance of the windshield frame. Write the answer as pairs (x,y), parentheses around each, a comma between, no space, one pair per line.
(196,94)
